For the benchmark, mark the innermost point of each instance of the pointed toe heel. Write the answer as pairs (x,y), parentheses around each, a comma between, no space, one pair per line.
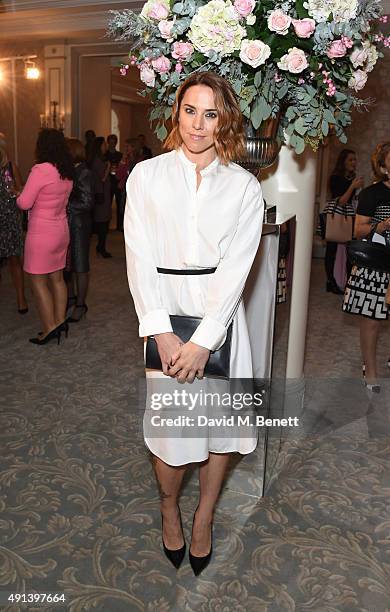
(175,556)
(198,564)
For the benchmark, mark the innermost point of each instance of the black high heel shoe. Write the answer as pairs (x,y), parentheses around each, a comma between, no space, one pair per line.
(332,287)
(198,564)
(105,254)
(175,556)
(71,319)
(55,333)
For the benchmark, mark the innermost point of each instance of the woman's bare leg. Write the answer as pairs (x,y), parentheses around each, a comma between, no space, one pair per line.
(169,479)
(211,475)
(16,269)
(369,329)
(44,302)
(60,295)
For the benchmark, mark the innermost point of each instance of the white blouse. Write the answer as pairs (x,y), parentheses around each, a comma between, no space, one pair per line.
(169,223)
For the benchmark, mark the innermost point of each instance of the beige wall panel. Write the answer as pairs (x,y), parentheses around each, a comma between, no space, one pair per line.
(95,95)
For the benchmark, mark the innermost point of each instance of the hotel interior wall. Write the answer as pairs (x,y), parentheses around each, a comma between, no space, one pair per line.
(30,100)
(372,127)
(94,103)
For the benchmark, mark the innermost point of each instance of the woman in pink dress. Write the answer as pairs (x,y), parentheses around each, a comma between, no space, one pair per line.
(46,195)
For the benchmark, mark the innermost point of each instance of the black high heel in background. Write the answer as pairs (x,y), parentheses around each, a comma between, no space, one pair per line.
(71,319)
(175,556)
(55,333)
(198,564)
(332,287)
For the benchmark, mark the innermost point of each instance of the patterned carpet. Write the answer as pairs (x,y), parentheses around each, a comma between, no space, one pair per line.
(78,503)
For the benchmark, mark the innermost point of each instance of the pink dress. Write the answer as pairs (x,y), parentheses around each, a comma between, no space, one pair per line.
(46,195)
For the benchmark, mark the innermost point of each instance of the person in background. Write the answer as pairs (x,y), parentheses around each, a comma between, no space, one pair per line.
(89,138)
(80,226)
(365,294)
(100,169)
(125,166)
(46,195)
(343,184)
(11,232)
(144,152)
(114,157)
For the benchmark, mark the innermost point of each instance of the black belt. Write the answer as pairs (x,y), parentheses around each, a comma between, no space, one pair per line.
(200,271)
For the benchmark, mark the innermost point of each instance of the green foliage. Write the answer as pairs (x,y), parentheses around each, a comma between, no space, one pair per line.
(308,111)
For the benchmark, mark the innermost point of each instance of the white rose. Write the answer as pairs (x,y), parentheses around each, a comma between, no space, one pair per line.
(358,57)
(358,80)
(372,56)
(279,22)
(165,28)
(254,52)
(147,76)
(294,61)
(251,19)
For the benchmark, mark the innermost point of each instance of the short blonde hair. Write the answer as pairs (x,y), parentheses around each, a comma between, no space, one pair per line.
(378,160)
(229,135)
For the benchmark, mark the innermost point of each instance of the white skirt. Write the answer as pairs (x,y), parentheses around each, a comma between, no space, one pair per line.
(198,423)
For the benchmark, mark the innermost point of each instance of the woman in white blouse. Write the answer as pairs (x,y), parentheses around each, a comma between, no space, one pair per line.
(193,209)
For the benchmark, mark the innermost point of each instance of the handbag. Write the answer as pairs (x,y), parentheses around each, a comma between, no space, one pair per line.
(339,221)
(367,254)
(218,364)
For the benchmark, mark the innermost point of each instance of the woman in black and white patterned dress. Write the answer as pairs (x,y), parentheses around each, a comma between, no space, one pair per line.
(365,293)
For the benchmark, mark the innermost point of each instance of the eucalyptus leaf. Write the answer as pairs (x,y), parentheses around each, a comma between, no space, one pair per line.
(299,145)
(161,132)
(300,126)
(257,79)
(325,127)
(328,116)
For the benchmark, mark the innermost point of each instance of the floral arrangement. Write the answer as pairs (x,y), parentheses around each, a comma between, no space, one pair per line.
(302,60)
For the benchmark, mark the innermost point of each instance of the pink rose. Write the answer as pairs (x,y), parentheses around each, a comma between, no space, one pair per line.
(178,67)
(147,75)
(161,64)
(158,11)
(304,28)
(244,7)
(165,28)
(279,22)
(336,49)
(182,50)
(294,61)
(254,52)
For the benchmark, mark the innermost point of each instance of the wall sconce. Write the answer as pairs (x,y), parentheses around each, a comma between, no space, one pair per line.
(31,71)
(53,119)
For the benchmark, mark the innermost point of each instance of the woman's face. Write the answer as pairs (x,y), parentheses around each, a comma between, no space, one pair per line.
(350,163)
(198,118)
(129,151)
(386,166)
(103,148)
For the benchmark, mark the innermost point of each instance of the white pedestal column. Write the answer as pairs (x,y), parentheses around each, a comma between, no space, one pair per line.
(290,185)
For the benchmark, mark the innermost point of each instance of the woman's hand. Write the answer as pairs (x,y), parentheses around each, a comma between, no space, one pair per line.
(383,226)
(357,182)
(168,344)
(189,361)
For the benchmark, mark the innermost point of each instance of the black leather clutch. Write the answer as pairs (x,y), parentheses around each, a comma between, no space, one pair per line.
(218,365)
(367,254)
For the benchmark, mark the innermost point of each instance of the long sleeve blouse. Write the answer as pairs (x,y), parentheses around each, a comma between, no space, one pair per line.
(170,223)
